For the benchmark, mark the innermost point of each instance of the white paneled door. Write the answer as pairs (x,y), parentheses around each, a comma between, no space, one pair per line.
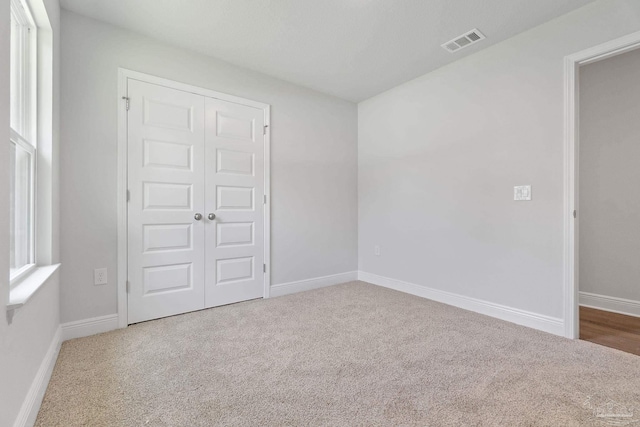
(195,209)
(234,202)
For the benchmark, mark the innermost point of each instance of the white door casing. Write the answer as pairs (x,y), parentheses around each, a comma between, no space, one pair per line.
(185,151)
(234,152)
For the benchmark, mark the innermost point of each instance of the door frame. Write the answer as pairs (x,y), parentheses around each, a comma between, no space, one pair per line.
(572,64)
(123,257)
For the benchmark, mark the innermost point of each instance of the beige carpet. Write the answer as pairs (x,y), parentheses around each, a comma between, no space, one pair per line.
(354,354)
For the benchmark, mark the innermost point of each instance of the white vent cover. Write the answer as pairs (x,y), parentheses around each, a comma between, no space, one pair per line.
(463,41)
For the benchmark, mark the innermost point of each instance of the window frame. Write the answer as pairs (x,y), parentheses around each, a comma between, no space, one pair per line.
(27,121)
(23,271)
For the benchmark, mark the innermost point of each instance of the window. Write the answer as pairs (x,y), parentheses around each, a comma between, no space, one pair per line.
(22,163)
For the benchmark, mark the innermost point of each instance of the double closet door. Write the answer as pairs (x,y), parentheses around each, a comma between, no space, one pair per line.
(195,201)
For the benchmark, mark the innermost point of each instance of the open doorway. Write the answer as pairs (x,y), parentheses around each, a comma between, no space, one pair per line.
(606,199)
(609,202)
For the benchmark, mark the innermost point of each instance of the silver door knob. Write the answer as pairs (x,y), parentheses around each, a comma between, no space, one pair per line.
(198,216)
(211,216)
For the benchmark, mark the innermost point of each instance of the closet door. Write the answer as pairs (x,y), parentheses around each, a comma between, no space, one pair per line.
(166,225)
(234,171)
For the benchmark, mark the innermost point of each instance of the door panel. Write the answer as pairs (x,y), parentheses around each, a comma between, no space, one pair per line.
(235,162)
(234,152)
(233,126)
(235,198)
(167,278)
(234,270)
(165,237)
(166,184)
(234,234)
(167,196)
(168,155)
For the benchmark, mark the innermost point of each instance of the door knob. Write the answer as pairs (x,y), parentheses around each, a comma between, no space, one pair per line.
(211,216)
(198,216)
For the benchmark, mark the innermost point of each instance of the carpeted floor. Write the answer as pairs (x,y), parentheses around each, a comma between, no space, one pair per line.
(353,354)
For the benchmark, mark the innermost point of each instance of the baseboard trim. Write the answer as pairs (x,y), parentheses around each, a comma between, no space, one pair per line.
(315,283)
(613,304)
(86,327)
(552,325)
(31,405)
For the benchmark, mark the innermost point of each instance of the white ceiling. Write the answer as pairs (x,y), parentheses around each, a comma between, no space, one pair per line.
(353,49)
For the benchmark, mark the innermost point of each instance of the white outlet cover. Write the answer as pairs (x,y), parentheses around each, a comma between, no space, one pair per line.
(100,276)
(376,250)
(522,192)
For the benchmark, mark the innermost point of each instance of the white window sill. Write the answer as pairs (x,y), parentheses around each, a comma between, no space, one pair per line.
(27,287)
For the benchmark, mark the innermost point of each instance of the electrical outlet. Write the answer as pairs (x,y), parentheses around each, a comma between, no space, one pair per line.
(100,276)
(522,192)
(376,250)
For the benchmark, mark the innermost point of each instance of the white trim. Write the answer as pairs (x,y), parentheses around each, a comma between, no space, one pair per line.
(267,204)
(46,251)
(552,325)
(122,201)
(160,81)
(20,274)
(87,327)
(613,304)
(22,292)
(31,404)
(123,76)
(315,283)
(571,173)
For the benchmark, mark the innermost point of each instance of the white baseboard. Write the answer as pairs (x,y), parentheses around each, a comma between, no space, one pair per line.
(315,283)
(541,322)
(86,327)
(613,304)
(31,405)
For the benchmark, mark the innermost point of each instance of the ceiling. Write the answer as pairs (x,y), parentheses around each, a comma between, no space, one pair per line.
(353,49)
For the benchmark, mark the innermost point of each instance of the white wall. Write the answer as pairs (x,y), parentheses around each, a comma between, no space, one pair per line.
(439,156)
(23,347)
(609,176)
(313,167)
(25,341)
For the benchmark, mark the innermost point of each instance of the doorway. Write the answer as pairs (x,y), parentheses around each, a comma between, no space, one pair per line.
(196,198)
(603,145)
(609,203)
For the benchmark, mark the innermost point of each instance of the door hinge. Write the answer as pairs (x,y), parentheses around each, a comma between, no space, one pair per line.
(264,268)
(128,286)
(128,195)
(575,214)
(265,199)
(126,102)
(264,129)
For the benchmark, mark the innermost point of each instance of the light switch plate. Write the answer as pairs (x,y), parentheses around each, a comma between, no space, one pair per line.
(522,192)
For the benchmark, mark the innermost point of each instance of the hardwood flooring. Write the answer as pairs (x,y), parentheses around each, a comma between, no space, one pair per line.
(613,330)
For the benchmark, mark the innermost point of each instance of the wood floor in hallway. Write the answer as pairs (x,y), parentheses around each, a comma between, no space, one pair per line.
(613,330)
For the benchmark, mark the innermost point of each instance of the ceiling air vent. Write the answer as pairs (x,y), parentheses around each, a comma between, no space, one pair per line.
(463,41)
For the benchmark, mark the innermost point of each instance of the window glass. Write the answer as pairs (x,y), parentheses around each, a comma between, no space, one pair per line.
(19,76)
(21,202)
